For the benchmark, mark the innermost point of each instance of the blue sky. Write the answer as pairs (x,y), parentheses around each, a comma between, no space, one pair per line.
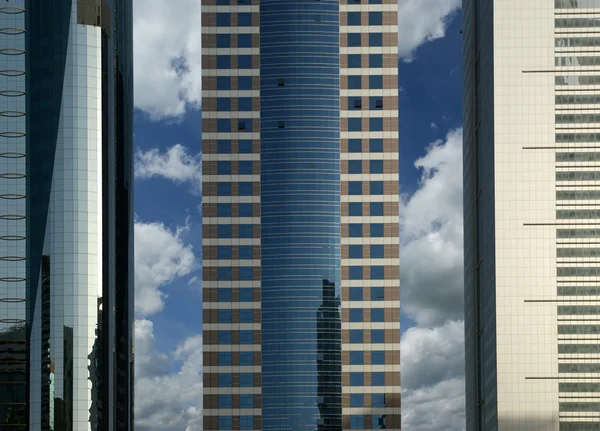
(169,226)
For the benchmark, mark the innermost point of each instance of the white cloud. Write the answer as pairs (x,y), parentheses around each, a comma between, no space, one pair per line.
(175,164)
(167,401)
(160,257)
(421,21)
(167,55)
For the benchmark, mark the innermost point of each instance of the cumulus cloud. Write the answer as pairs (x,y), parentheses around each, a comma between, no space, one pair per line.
(175,164)
(171,400)
(160,256)
(421,21)
(167,55)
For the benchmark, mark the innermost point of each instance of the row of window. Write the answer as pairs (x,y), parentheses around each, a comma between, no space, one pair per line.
(245,125)
(245,82)
(377,251)
(578,291)
(224,273)
(358,379)
(355,61)
(225,380)
(355,39)
(244,210)
(356,187)
(377,293)
(226,423)
(244,167)
(226,252)
(226,401)
(357,336)
(226,337)
(375,166)
(357,422)
(356,230)
(243,104)
(226,231)
(244,61)
(375,145)
(355,209)
(244,188)
(226,359)
(248,2)
(226,316)
(358,357)
(244,19)
(357,315)
(357,272)
(355,103)
(356,251)
(246,294)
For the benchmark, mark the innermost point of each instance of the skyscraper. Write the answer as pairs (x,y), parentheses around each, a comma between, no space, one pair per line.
(66,245)
(300,215)
(531,171)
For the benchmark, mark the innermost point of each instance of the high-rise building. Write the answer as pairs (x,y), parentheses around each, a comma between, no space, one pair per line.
(66,237)
(532,214)
(300,215)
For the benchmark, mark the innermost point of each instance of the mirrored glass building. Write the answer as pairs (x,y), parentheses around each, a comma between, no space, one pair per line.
(301,298)
(66,223)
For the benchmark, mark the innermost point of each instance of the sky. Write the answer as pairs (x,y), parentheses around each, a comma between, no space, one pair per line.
(168,224)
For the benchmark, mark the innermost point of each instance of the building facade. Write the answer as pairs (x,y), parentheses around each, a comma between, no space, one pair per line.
(531,171)
(66,221)
(300,215)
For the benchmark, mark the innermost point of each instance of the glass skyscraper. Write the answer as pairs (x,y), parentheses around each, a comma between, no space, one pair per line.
(66,237)
(531,172)
(300,215)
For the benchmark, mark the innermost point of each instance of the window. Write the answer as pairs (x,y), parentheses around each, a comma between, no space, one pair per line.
(225,359)
(223,19)
(375,18)
(374,1)
(376,103)
(224,231)
(245,167)
(356,251)
(378,379)
(357,400)
(376,209)
(224,295)
(244,83)
(223,210)
(355,103)
(223,125)
(245,230)
(244,19)
(246,294)
(377,336)
(376,124)
(225,401)
(246,423)
(356,294)
(355,166)
(224,188)
(355,188)
(354,124)
(244,40)
(245,104)
(224,145)
(225,380)
(357,422)
(246,380)
(246,358)
(377,273)
(223,167)
(375,82)
(356,379)
(354,18)
(376,60)
(354,82)
(375,39)
(376,230)
(223,41)
(247,401)
(281,124)
(377,293)
(356,336)
(378,422)
(246,273)
(245,62)
(357,357)
(355,230)
(224,337)
(355,209)
(224,252)
(378,400)
(377,315)
(224,273)
(356,315)
(377,251)
(247,337)
(224,316)
(354,146)
(354,61)
(376,188)
(376,166)
(225,423)
(244,125)
(245,146)
(378,357)
(245,210)
(245,252)
(223,62)
(245,188)
(223,83)
(355,272)
(246,315)
(354,39)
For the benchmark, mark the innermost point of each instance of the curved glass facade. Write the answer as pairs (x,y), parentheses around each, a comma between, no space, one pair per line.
(300,215)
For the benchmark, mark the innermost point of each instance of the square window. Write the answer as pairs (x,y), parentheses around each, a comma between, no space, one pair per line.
(354,39)
(246,423)
(354,124)
(223,210)
(245,104)
(224,273)
(355,272)
(281,124)
(246,273)
(245,61)
(224,316)
(376,209)
(224,337)
(357,400)
(224,189)
(244,83)
(224,231)
(354,61)
(247,402)
(376,166)
(376,188)
(223,167)
(223,19)
(354,18)
(356,251)
(245,188)
(354,146)
(224,145)
(377,293)
(377,336)
(377,357)
(355,166)
(376,124)
(244,19)
(225,423)
(377,251)
(223,83)
(357,357)
(223,41)
(375,39)
(378,379)
(244,125)
(246,315)
(357,422)
(355,188)
(244,40)
(356,379)
(225,401)
(378,400)
(356,315)
(355,230)
(246,380)
(376,230)
(247,337)
(377,315)
(356,293)
(245,230)
(378,422)
(223,125)
(245,146)
(225,359)
(224,252)
(355,209)
(375,60)
(223,62)
(354,82)
(224,295)
(223,104)
(356,336)
(377,273)
(246,358)
(245,210)
(375,18)
(246,294)
(245,252)
(355,103)
(375,103)
(375,82)
(245,167)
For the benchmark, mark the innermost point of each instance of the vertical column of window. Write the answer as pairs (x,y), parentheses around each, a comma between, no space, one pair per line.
(231,215)
(370,220)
